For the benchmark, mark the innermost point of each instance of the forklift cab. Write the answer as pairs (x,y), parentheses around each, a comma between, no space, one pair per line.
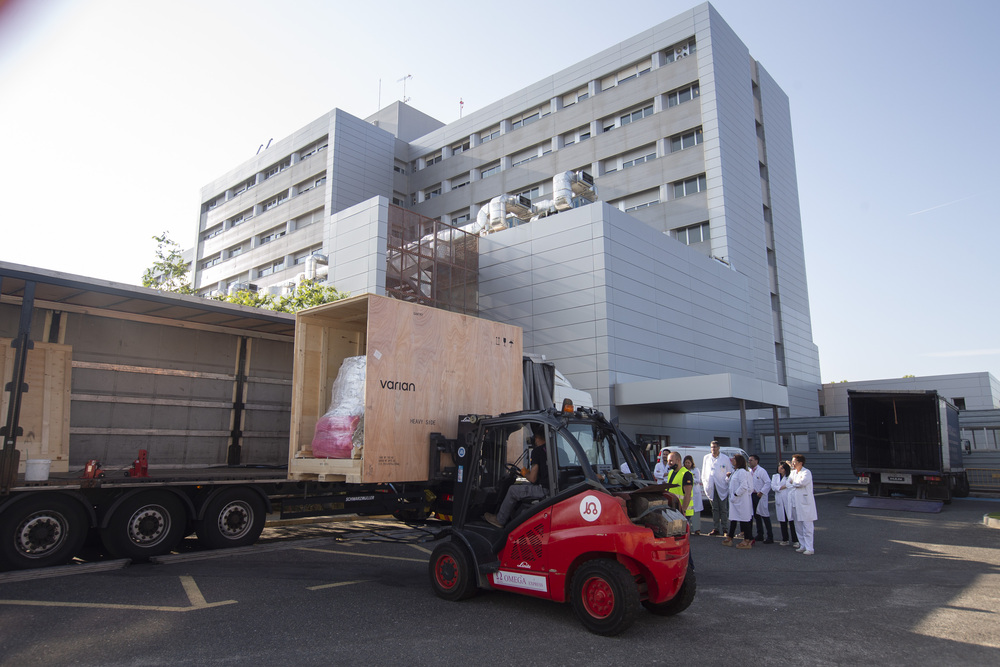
(581,450)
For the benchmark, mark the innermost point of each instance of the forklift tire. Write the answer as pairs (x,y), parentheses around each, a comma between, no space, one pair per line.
(681,601)
(451,572)
(43,530)
(148,524)
(605,596)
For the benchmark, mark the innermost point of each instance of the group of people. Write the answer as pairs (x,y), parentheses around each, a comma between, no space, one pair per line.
(740,491)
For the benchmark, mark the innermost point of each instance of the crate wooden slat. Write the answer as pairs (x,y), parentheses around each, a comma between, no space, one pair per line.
(425,367)
(44,416)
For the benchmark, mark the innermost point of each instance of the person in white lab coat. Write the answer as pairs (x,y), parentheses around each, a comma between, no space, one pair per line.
(761,498)
(740,503)
(698,503)
(803,503)
(715,471)
(783,504)
(661,470)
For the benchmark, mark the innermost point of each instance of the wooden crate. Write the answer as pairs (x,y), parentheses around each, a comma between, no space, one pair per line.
(44,416)
(425,367)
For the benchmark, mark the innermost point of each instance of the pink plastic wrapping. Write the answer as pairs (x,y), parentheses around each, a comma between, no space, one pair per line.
(340,432)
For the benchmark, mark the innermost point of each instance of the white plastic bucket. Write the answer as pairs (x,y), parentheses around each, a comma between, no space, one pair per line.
(36,470)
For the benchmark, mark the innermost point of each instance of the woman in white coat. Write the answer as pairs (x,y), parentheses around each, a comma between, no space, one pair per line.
(783,503)
(803,503)
(740,503)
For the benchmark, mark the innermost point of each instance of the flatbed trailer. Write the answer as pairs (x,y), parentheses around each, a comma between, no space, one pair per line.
(158,415)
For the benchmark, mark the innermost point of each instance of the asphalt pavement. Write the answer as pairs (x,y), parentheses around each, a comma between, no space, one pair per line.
(885,587)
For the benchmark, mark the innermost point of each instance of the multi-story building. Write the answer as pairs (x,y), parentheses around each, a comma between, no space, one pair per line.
(678,299)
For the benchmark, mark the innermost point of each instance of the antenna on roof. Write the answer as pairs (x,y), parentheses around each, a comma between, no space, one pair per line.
(403,81)
(461,106)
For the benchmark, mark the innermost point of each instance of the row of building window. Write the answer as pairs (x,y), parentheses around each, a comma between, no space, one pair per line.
(246,214)
(266,237)
(271,171)
(634,71)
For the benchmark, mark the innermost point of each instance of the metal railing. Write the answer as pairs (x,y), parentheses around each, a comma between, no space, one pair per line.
(984,479)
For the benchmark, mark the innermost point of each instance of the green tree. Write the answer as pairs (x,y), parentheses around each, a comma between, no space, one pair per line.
(169,272)
(305,295)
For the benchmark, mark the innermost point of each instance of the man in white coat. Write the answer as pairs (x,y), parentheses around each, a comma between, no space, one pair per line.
(761,498)
(803,503)
(715,471)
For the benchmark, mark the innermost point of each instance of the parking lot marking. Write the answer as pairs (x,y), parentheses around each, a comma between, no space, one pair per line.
(339,583)
(420,548)
(361,555)
(190,588)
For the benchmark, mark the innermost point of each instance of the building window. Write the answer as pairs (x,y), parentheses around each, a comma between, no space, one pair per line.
(689,186)
(639,160)
(830,441)
(274,267)
(246,185)
(213,232)
(679,142)
(210,263)
(275,233)
(640,200)
(524,119)
(397,201)
(240,218)
(432,159)
(490,170)
(682,95)
(489,135)
(314,148)
(398,169)
(693,234)
(682,50)
(531,193)
(460,181)
(460,218)
(276,169)
(460,148)
(235,251)
(431,194)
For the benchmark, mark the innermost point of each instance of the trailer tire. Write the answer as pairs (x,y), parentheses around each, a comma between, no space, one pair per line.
(681,601)
(41,531)
(233,518)
(605,596)
(144,525)
(451,572)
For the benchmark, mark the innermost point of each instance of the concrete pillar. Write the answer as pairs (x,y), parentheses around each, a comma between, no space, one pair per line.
(593,87)
(659,103)
(295,158)
(659,59)
(474,140)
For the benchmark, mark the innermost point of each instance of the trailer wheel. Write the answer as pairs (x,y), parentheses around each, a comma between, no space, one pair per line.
(451,572)
(41,531)
(605,596)
(145,525)
(234,518)
(681,601)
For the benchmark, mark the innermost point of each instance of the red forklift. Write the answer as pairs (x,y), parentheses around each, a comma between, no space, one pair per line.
(604,536)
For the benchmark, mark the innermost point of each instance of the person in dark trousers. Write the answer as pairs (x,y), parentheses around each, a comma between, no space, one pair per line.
(761,498)
(537,475)
(783,504)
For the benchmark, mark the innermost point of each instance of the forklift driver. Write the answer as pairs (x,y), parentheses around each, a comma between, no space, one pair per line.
(537,476)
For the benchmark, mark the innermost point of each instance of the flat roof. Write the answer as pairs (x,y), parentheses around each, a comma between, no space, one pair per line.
(79,293)
(702,393)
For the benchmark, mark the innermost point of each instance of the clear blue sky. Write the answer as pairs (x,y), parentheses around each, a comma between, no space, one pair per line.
(114,113)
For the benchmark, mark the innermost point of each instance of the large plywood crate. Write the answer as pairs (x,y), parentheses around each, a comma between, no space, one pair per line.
(44,415)
(425,367)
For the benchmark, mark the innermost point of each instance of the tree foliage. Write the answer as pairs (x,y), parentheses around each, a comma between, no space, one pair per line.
(170,273)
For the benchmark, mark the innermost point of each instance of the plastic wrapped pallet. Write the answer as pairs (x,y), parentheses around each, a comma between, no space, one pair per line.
(339,432)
